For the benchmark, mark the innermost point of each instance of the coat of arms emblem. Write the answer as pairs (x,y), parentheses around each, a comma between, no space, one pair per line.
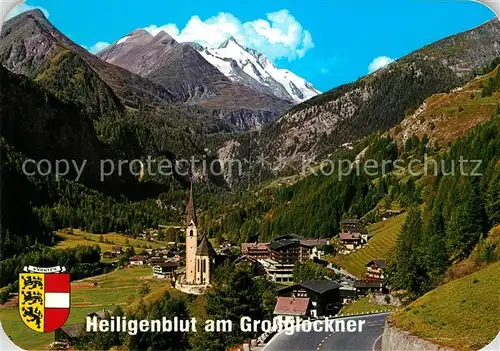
(44,298)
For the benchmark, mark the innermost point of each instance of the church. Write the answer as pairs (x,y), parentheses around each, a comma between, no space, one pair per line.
(200,254)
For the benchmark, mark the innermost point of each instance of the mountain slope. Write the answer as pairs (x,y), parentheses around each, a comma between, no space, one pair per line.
(445,117)
(181,69)
(463,314)
(314,129)
(161,59)
(31,45)
(253,69)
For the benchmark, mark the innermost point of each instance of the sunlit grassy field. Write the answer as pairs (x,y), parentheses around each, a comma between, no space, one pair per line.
(66,240)
(384,238)
(463,314)
(111,290)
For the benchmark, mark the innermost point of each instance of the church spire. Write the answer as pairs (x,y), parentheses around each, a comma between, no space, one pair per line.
(191,213)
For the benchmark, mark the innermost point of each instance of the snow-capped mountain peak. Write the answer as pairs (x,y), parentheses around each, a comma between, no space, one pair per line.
(255,70)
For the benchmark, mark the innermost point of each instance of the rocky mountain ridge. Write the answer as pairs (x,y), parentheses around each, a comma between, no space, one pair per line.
(30,45)
(181,69)
(255,70)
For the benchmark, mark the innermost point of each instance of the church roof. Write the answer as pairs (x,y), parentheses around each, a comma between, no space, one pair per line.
(190,211)
(205,248)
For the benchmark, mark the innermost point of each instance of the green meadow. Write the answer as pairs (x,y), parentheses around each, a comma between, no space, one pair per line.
(384,236)
(79,237)
(463,314)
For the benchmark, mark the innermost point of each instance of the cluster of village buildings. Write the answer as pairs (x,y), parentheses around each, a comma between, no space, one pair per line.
(275,260)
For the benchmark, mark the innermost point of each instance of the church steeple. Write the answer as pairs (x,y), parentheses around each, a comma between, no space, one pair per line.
(190,211)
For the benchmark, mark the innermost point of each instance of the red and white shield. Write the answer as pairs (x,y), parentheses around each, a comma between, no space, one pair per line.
(44,300)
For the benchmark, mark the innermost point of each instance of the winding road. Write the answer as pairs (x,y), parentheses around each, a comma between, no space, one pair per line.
(367,340)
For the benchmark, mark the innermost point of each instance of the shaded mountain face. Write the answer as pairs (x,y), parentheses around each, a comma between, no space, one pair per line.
(31,46)
(255,70)
(326,123)
(131,116)
(181,69)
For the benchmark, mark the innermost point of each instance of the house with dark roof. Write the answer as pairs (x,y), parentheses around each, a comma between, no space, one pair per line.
(165,270)
(137,260)
(350,225)
(350,241)
(286,249)
(68,334)
(324,295)
(312,248)
(348,294)
(390,213)
(108,254)
(100,314)
(117,249)
(364,287)
(375,270)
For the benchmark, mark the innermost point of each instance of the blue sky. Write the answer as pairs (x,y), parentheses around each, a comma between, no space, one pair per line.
(328,42)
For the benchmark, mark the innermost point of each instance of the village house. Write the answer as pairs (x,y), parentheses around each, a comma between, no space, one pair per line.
(350,225)
(108,254)
(68,334)
(226,244)
(155,260)
(365,287)
(350,241)
(117,249)
(286,249)
(137,260)
(312,248)
(348,294)
(100,314)
(165,270)
(289,308)
(375,270)
(390,213)
(323,294)
(255,250)
(278,272)
(355,226)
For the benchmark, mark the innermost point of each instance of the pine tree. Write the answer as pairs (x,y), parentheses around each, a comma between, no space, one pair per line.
(493,198)
(406,269)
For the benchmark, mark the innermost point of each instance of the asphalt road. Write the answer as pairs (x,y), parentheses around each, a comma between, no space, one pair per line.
(367,340)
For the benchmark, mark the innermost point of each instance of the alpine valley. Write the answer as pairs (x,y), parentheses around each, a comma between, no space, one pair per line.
(149,97)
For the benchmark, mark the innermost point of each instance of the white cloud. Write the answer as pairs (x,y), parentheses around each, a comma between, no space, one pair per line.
(97,47)
(378,63)
(23,7)
(169,28)
(280,35)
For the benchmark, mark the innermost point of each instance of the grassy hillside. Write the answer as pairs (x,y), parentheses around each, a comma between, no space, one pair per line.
(79,237)
(464,314)
(448,116)
(111,290)
(384,238)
